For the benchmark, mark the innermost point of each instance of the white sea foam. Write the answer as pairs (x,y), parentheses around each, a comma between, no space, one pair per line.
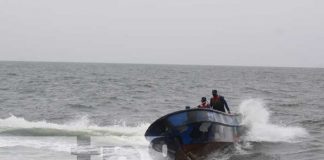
(256,117)
(61,144)
(18,132)
(81,125)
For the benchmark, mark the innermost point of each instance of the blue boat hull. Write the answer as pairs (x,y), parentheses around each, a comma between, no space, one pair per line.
(193,132)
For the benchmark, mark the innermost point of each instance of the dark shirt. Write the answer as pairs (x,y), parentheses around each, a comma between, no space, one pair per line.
(219,103)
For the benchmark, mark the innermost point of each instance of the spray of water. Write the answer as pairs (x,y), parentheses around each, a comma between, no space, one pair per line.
(256,118)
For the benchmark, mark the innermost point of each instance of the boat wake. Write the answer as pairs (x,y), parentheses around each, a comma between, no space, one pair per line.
(20,127)
(18,132)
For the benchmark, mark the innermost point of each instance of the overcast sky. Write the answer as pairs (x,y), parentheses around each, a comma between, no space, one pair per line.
(206,32)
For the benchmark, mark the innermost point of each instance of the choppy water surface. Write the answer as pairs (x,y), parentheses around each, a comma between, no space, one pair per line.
(44,106)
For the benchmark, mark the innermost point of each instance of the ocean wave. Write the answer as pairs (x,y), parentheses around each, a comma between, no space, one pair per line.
(69,77)
(254,156)
(18,132)
(12,74)
(77,106)
(290,104)
(313,122)
(263,91)
(4,89)
(19,126)
(60,144)
(256,118)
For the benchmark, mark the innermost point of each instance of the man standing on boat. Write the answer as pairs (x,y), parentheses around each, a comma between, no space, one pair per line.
(218,102)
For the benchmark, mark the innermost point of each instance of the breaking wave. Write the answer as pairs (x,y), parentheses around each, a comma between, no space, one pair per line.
(256,118)
(18,132)
(19,126)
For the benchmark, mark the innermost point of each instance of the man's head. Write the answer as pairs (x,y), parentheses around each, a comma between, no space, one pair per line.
(214,92)
(203,99)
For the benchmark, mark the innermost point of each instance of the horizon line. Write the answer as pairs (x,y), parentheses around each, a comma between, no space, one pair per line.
(137,63)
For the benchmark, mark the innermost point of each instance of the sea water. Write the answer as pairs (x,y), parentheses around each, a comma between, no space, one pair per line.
(45,107)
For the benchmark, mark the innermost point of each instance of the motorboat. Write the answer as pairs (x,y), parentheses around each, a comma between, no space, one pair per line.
(191,133)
